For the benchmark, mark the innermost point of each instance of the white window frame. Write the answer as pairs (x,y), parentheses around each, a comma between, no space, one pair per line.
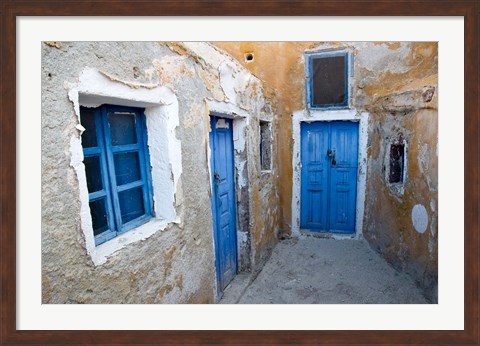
(161,110)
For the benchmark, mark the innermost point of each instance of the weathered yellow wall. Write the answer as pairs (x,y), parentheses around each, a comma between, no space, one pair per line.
(281,66)
(396,83)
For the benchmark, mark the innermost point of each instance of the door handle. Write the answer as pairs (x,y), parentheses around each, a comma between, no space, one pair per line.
(331,154)
(216,176)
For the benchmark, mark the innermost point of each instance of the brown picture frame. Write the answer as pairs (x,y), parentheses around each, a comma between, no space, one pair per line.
(11,9)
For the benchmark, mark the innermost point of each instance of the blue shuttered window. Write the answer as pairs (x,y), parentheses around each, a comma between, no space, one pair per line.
(117,167)
(327,75)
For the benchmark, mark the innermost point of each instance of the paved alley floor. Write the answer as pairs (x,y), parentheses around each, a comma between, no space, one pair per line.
(311,270)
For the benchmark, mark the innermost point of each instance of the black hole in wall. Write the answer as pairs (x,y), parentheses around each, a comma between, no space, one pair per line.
(136,72)
(397,160)
(249,57)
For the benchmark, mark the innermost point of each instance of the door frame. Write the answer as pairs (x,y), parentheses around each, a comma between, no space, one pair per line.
(335,115)
(240,119)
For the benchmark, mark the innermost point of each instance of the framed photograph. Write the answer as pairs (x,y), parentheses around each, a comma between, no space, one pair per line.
(239,173)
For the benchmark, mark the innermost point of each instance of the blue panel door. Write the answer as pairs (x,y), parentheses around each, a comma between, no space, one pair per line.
(329,156)
(223,200)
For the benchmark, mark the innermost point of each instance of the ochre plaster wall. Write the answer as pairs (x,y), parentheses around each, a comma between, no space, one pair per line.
(397,84)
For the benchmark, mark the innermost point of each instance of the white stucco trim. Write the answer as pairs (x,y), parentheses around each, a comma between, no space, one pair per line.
(161,110)
(333,115)
(240,119)
(226,109)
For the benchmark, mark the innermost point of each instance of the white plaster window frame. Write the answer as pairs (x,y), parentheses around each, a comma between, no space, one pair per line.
(95,88)
(332,115)
(397,188)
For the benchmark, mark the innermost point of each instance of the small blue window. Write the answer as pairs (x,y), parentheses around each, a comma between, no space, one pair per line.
(327,75)
(117,166)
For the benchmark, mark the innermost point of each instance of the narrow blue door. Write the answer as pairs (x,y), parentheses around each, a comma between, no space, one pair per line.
(223,200)
(329,156)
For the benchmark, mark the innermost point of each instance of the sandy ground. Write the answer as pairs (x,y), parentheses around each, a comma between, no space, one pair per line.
(313,270)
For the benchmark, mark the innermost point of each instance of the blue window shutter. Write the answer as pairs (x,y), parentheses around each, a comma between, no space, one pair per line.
(121,159)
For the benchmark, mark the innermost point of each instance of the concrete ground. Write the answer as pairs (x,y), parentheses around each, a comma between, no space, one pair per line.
(311,270)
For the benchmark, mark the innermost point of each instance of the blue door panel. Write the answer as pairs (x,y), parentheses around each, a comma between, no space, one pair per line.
(343,187)
(223,200)
(314,176)
(329,155)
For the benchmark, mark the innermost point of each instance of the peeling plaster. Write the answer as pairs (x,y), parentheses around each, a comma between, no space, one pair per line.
(227,78)
(227,109)
(207,53)
(95,88)
(423,158)
(382,58)
(241,177)
(171,67)
(234,78)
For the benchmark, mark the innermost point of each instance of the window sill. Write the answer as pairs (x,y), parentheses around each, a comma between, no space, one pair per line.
(101,253)
(396,188)
(329,108)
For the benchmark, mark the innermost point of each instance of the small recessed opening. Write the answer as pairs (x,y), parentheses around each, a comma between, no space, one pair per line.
(397,163)
(265,146)
(248,57)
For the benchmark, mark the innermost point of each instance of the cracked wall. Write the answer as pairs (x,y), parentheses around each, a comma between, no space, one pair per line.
(174,264)
(396,82)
